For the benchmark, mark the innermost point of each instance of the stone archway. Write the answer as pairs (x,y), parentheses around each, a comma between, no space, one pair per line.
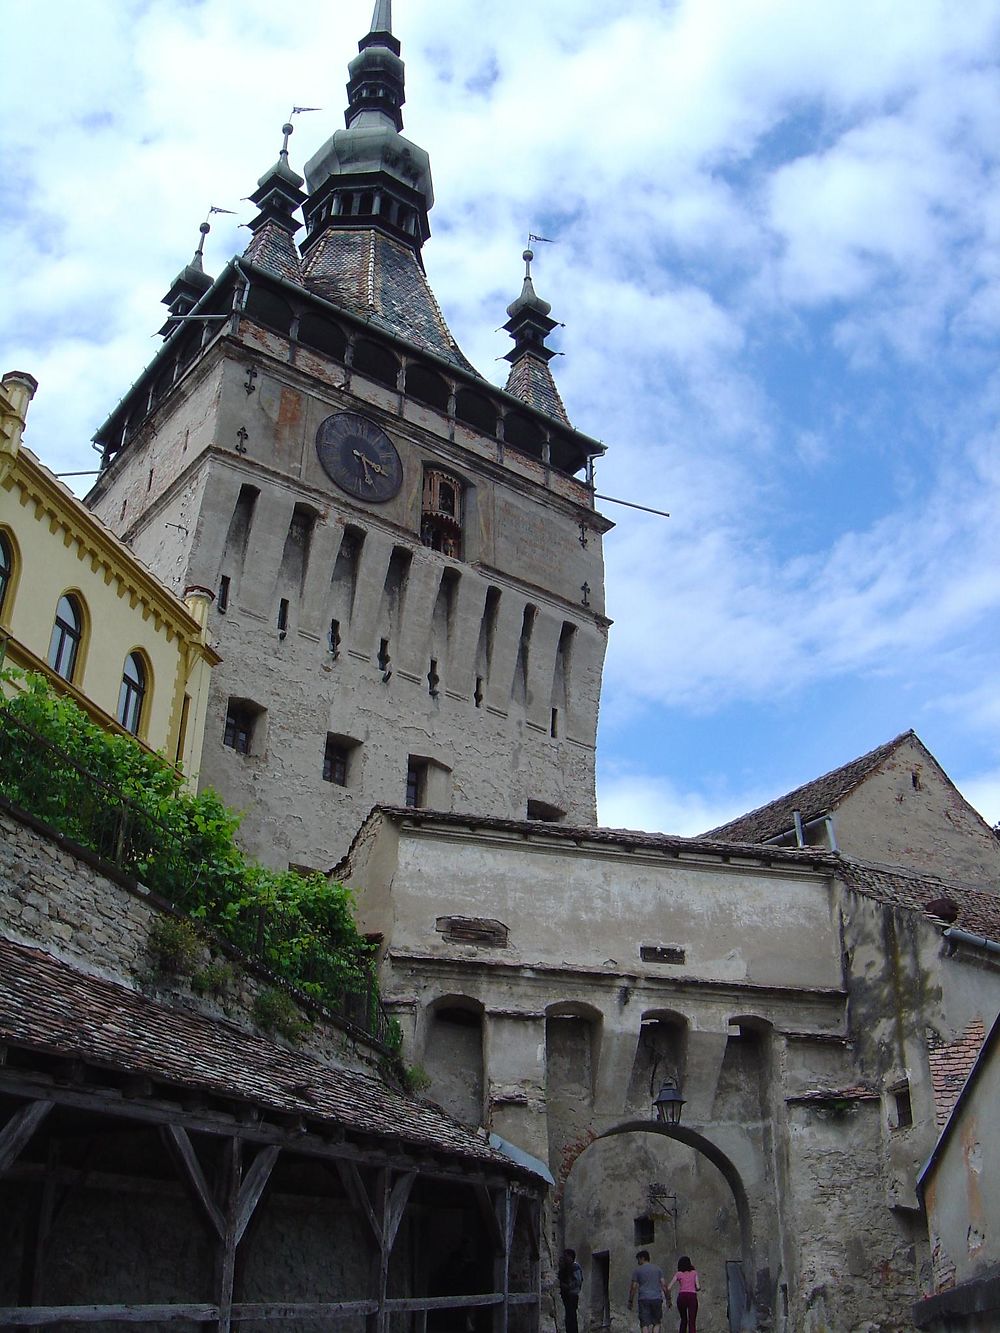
(670,1190)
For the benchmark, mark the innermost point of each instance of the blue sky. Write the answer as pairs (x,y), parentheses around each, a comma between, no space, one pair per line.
(778,263)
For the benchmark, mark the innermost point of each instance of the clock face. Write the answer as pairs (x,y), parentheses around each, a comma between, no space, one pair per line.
(359,456)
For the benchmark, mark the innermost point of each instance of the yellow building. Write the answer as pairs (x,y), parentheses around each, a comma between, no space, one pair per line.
(78,607)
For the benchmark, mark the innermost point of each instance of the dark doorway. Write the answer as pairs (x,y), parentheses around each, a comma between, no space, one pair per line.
(600,1289)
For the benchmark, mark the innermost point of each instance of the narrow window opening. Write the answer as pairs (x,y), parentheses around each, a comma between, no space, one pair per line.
(915,780)
(149,480)
(222,602)
(904,1107)
(282,617)
(478,696)
(6,568)
(182,730)
(554,723)
(333,638)
(121,513)
(383,657)
(549,814)
(433,679)
(335,760)
(416,782)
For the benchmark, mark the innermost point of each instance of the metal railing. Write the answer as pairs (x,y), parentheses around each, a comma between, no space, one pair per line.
(44,780)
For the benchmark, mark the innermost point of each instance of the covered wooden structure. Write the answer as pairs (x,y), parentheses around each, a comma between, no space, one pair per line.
(162,1168)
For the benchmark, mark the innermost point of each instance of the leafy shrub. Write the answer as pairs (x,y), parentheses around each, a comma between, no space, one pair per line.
(416,1079)
(173,946)
(111,795)
(274,1011)
(214,979)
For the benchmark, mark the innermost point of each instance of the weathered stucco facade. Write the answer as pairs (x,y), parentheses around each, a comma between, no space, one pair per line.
(549,980)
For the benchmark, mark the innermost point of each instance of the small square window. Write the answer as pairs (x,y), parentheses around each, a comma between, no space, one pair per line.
(644,1230)
(241,721)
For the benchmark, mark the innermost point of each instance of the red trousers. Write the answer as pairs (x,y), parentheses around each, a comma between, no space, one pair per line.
(687,1308)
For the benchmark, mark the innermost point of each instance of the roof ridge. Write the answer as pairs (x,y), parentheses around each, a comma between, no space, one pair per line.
(869,760)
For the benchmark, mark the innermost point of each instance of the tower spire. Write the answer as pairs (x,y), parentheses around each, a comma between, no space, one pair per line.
(278,195)
(367,176)
(190,285)
(529,324)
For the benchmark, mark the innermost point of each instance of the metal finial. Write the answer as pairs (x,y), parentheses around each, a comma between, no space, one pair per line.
(287,130)
(528,256)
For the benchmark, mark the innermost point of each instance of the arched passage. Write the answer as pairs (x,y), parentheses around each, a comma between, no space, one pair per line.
(668,1189)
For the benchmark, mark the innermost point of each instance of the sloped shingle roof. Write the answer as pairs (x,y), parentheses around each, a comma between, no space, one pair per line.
(532,382)
(812,799)
(380,279)
(46,1005)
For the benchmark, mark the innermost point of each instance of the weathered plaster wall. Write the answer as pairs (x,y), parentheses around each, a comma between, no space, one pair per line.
(962,1200)
(909,813)
(856,1263)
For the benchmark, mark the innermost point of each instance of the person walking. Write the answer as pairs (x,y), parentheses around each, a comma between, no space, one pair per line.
(570,1286)
(649,1285)
(686,1280)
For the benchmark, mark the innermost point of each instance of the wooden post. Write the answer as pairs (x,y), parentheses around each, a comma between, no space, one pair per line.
(505,1211)
(229,1195)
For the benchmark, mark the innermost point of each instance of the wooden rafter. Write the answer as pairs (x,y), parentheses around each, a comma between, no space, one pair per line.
(18,1130)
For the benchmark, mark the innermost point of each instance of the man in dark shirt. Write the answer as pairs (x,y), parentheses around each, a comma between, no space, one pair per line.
(649,1285)
(570,1285)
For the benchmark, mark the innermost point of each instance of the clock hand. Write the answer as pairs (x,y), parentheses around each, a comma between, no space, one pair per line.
(365,466)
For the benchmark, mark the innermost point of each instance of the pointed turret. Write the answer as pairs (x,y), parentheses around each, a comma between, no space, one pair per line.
(187,288)
(278,196)
(368,175)
(529,324)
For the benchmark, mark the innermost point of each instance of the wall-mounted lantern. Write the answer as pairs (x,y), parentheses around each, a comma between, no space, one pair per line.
(668,1103)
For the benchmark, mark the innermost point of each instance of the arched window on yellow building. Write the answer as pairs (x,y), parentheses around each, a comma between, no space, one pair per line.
(132,695)
(67,632)
(6,570)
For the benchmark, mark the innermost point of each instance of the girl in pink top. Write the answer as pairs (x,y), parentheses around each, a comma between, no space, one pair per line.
(686,1281)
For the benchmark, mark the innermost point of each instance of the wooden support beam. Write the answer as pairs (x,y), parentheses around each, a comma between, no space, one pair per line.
(324,1145)
(398,1199)
(504,1210)
(40,1315)
(354,1188)
(182,1151)
(253,1187)
(484,1201)
(229,1192)
(18,1130)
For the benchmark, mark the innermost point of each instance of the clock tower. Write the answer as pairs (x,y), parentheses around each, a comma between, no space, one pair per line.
(405,559)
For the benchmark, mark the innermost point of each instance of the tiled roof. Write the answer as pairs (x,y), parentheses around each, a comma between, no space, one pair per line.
(46,1005)
(584,834)
(531,380)
(811,800)
(380,279)
(951,1063)
(273,249)
(976,911)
